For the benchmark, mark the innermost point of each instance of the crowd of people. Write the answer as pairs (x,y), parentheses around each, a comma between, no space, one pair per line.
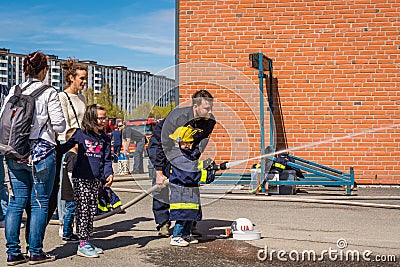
(69,164)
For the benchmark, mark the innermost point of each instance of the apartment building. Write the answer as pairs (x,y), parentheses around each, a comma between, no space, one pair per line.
(130,88)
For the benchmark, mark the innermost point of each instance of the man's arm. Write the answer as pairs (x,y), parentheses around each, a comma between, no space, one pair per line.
(126,143)
(201,145)
(126,139)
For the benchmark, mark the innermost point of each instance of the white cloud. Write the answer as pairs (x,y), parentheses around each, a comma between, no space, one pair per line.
(153,33)
(129,37)
(150,32)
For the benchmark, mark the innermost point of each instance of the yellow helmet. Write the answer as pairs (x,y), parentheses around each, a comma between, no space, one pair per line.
(183,134)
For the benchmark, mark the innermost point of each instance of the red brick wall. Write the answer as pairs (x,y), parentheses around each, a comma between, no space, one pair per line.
(336,76)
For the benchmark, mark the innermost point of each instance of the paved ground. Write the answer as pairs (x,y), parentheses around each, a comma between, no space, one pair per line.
(290,227)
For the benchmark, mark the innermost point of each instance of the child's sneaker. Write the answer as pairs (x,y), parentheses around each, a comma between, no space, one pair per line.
(179,241)
(72,238)
(97,249)
(191,239)
(87,251)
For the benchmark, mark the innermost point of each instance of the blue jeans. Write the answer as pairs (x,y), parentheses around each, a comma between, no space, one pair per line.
(69,218)
(3,190)
(182,228)
(35,191)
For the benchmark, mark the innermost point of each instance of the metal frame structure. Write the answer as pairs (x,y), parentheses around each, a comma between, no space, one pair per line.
(316,174)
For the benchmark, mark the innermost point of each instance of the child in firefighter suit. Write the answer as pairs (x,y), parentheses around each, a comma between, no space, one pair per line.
(184,178)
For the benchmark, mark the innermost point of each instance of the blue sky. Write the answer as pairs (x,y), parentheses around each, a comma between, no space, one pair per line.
(138,34)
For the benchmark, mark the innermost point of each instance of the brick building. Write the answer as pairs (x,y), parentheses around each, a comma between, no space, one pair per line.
(336,79)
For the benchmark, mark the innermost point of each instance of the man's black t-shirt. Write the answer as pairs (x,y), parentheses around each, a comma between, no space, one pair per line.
(67,192)
(133,134)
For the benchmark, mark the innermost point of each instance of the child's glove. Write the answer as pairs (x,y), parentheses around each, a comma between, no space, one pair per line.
(209,165)
(207,171)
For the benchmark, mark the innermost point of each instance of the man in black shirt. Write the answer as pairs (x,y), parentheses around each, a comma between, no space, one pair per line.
(199,116)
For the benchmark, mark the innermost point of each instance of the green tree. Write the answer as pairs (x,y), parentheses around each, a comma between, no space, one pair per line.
(162,112)
(144,110)
(105,99)
(148,110)
(89,96)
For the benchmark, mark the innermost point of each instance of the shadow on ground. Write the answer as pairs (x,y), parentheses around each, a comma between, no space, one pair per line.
(100,239)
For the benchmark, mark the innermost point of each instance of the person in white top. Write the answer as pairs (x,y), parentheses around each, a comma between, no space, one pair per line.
(72,101)
(73,106)
(32,179)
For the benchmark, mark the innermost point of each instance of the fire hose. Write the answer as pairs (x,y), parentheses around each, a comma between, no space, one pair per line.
(323,200)
(144,194)
(211,165)
(208,165)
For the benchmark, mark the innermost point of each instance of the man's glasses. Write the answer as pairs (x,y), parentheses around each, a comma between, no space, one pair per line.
(101,118)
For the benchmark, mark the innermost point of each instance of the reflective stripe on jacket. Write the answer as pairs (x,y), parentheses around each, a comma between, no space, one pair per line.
(184,203)
(185,193)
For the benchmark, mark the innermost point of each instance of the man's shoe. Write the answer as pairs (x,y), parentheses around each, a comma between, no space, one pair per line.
(191,239)
(179,241)
(16,259)
(72,238)
(41,258)
(87,251)
(163,230)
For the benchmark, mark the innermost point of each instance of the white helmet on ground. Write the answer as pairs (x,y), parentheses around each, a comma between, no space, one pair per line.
(242,224)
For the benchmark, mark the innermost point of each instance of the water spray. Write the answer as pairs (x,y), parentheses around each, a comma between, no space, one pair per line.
(272,154)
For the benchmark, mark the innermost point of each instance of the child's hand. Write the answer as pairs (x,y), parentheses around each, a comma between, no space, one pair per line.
(109,181)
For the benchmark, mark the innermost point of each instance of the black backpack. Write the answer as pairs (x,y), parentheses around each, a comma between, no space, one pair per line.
(16,123)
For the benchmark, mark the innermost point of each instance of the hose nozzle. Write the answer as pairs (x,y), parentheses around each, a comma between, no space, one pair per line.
(216,167)
(223,165)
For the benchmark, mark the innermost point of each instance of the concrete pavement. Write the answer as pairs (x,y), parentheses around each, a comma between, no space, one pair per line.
(131,239)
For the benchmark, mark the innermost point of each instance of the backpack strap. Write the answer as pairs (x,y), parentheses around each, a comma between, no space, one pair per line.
(73,109)
(39,91)
(18,91)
